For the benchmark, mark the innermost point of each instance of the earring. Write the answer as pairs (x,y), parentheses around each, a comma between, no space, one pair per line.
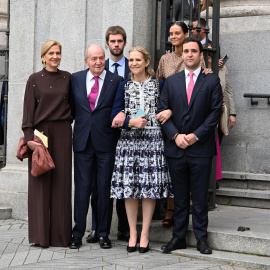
(44,63)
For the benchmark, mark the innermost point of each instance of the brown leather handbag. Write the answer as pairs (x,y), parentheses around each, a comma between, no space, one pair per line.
(41,159)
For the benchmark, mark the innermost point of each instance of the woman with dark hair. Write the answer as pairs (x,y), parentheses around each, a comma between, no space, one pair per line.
(46,108)
(171,63)
(140,170)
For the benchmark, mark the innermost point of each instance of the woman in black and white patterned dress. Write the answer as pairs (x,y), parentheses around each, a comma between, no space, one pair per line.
(140,170)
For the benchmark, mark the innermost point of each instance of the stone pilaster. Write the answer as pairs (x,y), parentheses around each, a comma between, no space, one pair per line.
(245,37)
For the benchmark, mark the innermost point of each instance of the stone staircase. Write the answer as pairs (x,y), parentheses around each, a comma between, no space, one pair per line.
(246,190)
(243,201)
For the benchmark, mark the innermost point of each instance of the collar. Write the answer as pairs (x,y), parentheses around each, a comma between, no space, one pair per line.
(196,72)
(203,41)
(120,62)
(101,76)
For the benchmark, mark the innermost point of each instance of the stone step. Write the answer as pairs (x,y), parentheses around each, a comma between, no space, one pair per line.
(223,231)
(243,197)
(5,212)
(245,181)
(233,259)
(244,184)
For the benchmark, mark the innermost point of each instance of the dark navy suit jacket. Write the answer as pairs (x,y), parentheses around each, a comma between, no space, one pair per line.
(96,122)
(127,70)
(200,117)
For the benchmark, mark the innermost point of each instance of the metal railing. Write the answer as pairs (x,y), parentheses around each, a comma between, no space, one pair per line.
(255,102)
(4,51)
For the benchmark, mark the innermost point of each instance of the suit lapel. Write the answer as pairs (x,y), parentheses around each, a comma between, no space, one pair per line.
(199,82)
(108,82)
(83,92)
(182,87)
(127,70)
(107,64)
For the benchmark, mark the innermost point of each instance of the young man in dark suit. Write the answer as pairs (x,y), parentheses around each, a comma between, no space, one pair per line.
(196,103)
(116,42)
(94,141)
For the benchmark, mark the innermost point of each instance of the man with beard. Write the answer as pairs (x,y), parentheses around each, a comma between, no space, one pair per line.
(117,63)
(116,42)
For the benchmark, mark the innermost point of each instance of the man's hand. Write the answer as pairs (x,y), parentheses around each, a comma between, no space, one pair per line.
(119,120)
(138,122)
(190,138)
(232,121)
(181,141)
(164,116)
(32,145)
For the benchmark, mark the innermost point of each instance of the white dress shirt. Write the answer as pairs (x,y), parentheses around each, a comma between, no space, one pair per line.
(120,68)
(195,76)
(90,81)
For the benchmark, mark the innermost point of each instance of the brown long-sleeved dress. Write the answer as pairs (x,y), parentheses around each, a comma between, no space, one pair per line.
(46,108)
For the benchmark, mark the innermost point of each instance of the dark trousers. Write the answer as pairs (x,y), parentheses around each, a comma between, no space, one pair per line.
(91,165)
(190,174)
(120,209)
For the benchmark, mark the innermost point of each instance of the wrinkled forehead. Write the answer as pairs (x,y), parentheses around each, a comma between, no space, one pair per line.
(95,52)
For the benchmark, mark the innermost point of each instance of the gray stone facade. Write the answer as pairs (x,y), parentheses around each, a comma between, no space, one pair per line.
(245,35)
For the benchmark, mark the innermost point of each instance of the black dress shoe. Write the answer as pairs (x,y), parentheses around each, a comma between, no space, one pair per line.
(174,244)
(131,249)
(104,242)
(92,237)
(123,236)
(75,242)
(204,247)
(144,249)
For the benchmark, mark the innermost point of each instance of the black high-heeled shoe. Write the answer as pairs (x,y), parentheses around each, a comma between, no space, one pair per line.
(131,249)
(144,249)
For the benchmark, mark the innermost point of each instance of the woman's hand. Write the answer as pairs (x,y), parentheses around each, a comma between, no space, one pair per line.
(232,121)
(163,116)
(138,122)
(32,145)
(220,63)
(207,70)
(223,105)
(119,120)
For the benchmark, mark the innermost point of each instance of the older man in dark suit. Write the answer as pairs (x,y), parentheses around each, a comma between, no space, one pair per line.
(116,40)
(196,103)
(94,141)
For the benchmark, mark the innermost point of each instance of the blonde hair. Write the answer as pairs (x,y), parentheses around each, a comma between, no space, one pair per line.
(46,46)
(146,56)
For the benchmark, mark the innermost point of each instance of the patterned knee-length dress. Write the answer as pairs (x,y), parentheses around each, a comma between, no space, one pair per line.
(141,169)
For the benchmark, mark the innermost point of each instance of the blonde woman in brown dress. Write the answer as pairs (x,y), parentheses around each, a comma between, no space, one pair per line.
(46,109)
